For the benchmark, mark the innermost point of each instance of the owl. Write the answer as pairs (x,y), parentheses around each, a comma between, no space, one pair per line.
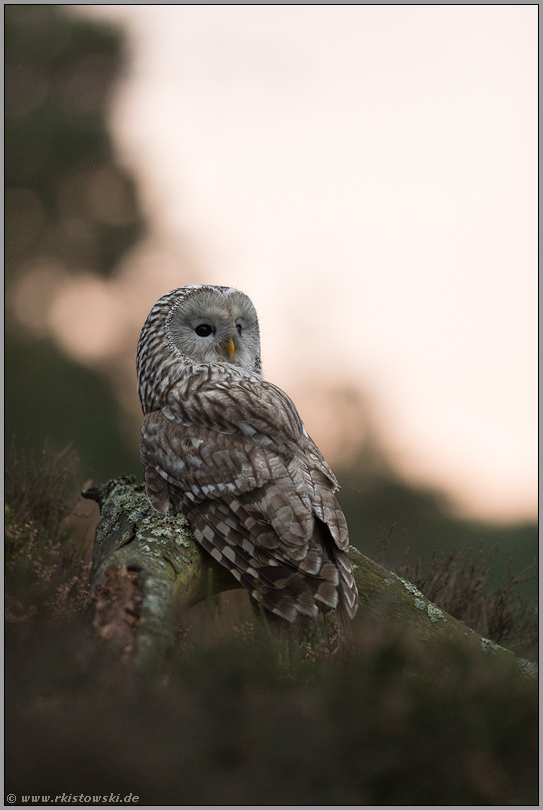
(228,449)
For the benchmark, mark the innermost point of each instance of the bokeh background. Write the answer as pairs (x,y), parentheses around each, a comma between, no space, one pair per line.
(367,174)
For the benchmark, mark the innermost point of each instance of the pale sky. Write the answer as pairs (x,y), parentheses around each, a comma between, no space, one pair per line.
(368,176)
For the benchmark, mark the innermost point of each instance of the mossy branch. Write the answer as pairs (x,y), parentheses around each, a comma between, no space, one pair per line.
(147,566)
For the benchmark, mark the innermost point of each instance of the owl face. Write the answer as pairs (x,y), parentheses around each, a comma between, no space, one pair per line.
(216,325)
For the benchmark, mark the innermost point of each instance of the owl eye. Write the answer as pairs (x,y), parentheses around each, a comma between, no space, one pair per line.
(238,327)
(203,330)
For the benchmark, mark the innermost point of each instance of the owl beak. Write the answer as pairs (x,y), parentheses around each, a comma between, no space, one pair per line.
(230,348)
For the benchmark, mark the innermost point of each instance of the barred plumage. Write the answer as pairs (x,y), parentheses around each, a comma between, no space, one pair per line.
(229,450)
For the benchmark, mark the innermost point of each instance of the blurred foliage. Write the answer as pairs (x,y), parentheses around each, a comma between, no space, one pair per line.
(65,195)
(69,206)
(41,490)
(236,723)
(47,396)
(461,585)
(389,521)
(46,574)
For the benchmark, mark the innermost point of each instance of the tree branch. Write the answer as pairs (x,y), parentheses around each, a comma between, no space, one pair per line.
(147,566)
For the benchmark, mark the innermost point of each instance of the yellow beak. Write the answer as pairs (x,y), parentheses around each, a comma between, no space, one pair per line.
(230,348)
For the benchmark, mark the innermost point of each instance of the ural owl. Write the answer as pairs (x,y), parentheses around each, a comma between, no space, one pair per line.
(229,450)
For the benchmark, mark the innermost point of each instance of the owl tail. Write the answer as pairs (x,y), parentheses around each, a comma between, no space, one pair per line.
(326,634)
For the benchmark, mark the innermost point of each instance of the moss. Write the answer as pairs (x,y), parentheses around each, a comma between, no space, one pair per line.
(435,614)
(174,570)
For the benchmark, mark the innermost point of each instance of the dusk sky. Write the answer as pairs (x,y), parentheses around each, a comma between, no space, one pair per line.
(368,176)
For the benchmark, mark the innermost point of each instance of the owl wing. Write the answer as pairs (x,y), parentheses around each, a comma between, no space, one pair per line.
(228,400)
(257,491)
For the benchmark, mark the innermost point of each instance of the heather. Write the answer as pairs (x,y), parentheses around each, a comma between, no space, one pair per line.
(239,718)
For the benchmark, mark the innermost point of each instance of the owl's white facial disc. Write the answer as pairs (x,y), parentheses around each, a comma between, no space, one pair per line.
(217,326)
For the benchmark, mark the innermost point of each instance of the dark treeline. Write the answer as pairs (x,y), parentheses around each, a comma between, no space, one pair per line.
(69,208)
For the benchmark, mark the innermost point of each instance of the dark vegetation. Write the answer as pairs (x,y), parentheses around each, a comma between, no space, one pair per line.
(460,585)
(68,205)
(240,719)
(59,74)
(45,550)
(386,514)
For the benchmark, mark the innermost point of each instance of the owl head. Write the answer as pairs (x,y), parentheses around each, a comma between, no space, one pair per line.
(193,326)
(214,325)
